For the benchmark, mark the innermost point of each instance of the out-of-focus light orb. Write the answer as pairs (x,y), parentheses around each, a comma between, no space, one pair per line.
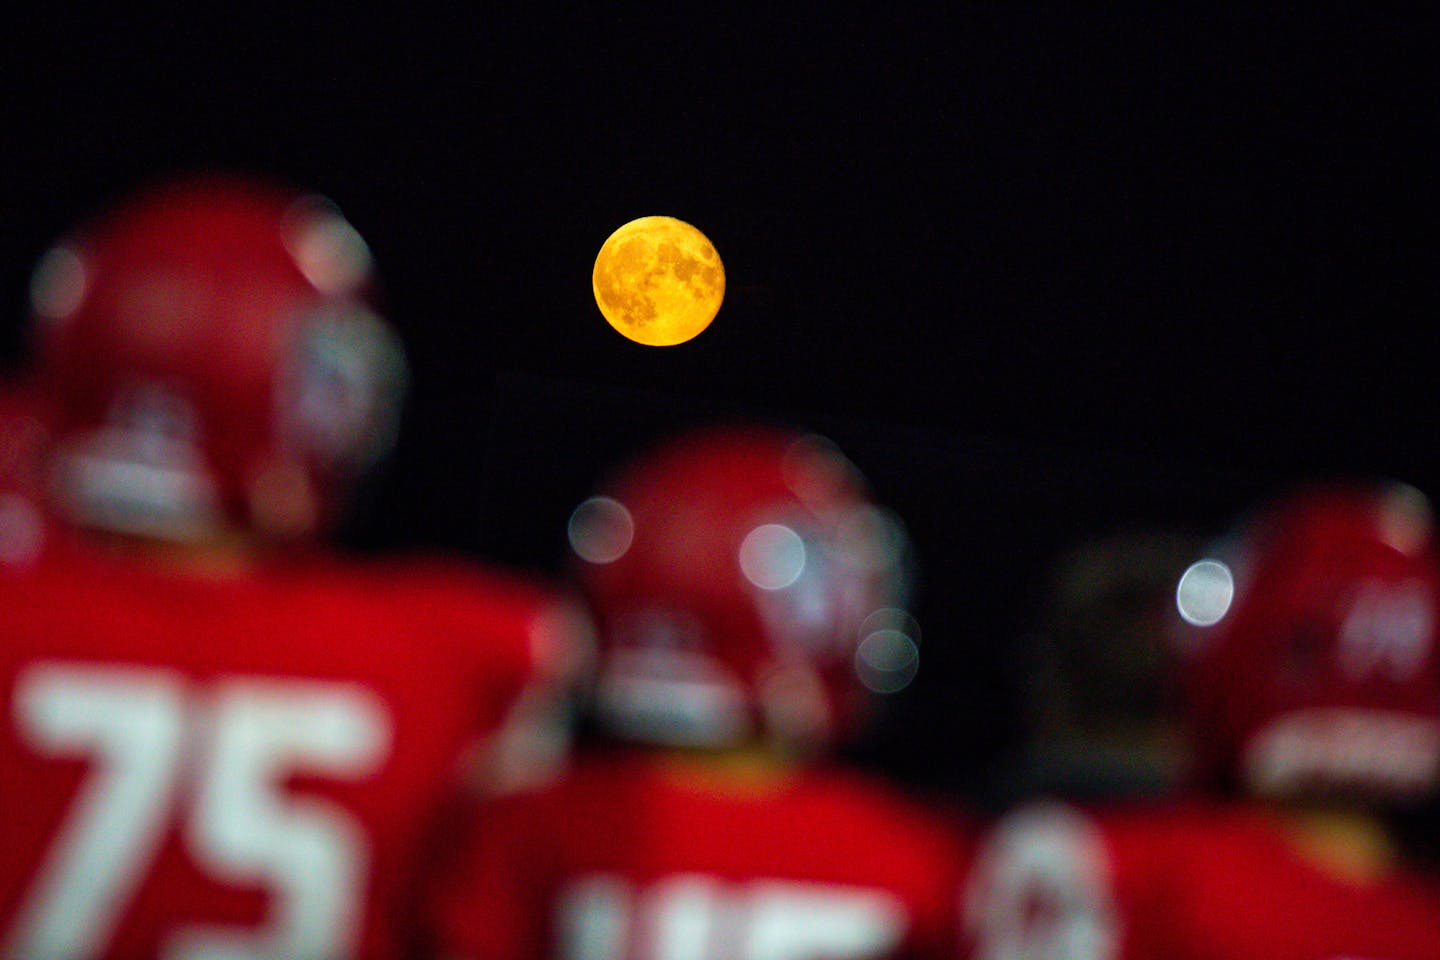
(1205,593)
(772,556)
(890,618)
(658,281)
(58,284)
(1406,519)
(887,660)
(330,253)
(600,530)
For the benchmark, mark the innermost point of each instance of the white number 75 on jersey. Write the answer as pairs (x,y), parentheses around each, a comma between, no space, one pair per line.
(214,756)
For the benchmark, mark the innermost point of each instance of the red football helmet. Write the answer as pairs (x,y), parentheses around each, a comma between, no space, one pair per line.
(213,357)
(1308,665)
(746,589)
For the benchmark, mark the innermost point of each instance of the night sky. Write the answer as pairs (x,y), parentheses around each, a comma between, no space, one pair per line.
(1043,272)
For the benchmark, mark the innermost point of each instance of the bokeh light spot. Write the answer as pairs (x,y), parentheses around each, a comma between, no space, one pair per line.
(887,660)
(601,530)
(58,284)
(332,255)
(1205,593)
(1406,519)
(772,556)
(891,618)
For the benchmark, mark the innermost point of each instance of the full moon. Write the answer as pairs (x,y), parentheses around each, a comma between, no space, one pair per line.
(658,281)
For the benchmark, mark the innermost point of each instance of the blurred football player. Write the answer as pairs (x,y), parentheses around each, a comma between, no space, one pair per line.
(1307,668)
(1092,671)
(750,598)
(217,738)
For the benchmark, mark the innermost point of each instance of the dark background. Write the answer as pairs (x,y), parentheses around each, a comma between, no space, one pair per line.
(1043,271)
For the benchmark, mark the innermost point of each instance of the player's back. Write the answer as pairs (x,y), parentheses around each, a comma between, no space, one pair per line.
(636,858)
(236,766)
(1185,882)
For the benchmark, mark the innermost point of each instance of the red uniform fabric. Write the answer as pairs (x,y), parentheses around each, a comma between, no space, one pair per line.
(247,765)
(22,438)
(1184,882)
(622,858)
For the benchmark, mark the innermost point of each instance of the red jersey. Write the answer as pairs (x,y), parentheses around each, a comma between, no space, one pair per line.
(238,767)
(1183,883)
(22,439)
(21,425)
(622,858)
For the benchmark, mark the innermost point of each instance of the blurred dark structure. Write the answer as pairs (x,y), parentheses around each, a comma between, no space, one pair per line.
(1092,672)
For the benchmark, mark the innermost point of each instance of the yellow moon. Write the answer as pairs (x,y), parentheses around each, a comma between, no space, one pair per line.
(658,281)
